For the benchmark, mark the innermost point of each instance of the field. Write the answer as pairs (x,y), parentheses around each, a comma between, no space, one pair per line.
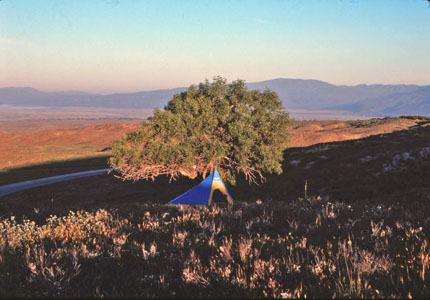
(24,143)
(305,248)
(347,218)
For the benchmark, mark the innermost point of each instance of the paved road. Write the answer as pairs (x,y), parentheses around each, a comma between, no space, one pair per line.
(15,187)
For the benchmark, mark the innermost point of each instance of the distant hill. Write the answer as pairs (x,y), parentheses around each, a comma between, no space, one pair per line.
(296,94)
(32,97)
(416,102)
(314,94)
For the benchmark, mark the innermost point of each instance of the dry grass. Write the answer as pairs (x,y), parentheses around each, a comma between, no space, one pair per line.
(29,147)
(305,248)
(306,133)
(30,126)
(367,235)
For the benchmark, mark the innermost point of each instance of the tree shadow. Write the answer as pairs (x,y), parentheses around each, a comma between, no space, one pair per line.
(333,169)
(87,193)
(340,171)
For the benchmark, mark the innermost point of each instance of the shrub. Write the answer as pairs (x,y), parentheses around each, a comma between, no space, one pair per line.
(308,248)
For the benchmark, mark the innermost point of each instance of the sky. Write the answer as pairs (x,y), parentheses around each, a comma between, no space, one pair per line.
(107,46)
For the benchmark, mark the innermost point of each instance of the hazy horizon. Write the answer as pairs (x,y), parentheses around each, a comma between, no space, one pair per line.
(121,46)
(176,87)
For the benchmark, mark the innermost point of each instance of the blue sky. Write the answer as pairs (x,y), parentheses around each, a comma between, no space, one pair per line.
(130,45)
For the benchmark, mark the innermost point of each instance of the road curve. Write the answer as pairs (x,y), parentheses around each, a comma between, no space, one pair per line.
(15,187)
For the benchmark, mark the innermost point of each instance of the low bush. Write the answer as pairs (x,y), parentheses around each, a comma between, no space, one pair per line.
(311,247)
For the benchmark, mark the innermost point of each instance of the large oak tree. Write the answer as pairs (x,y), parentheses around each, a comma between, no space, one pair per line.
(215,124)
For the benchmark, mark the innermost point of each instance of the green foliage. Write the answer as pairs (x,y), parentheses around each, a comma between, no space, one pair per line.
(215,124)
(372,122)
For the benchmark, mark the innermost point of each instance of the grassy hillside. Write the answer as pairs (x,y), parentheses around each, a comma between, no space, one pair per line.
(23,145)
(346,171)
(387,167)
(360,228)
(307,248)
(32,142)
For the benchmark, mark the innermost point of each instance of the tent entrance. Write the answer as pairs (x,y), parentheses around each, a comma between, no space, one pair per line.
(219,197)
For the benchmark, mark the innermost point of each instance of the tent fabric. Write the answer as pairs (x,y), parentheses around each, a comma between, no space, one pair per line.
(211,190)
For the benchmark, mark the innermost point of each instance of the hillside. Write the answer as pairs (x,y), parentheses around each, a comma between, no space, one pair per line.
(21,143)
(410,103)
(296,94)
(379,168)
(32,97)
(344,219)
(37,141)
(315,94)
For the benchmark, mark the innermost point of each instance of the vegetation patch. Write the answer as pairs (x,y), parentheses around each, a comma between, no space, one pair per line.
(367,235)
(306,248)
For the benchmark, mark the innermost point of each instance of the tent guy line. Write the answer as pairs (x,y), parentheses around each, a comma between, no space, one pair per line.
(15,187)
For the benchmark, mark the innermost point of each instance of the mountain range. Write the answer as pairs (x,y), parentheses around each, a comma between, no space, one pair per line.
(296,94)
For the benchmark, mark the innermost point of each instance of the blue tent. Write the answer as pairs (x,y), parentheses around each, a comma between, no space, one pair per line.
(210,190)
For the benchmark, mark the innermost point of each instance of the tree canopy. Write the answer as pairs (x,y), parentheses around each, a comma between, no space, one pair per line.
(215,124)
